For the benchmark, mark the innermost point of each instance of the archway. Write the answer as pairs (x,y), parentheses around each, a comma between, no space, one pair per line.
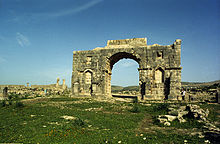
(115,58)
(124,74)
(88,81)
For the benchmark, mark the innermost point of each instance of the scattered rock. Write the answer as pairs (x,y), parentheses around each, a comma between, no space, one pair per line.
(162,120)
(182,113)
(94,109)
(68,117)
(181,119)
(210,131)
(167,123)
(33,115)
(170,117)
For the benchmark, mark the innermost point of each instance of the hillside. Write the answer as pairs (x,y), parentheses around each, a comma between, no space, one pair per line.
(128,88)
(184,84)
(198,84)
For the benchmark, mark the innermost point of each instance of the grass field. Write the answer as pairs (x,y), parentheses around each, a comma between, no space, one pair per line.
(87,121)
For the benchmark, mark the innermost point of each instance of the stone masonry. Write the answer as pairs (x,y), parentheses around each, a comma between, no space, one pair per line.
(159,68)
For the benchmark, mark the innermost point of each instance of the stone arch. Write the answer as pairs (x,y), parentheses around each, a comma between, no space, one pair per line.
(121,55)
(155,82)
(114,58)
(88,74)
(159,75)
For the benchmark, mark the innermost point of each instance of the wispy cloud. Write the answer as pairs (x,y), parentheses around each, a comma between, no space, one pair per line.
(22,40)
(73,10)
(31,17)
(128,64)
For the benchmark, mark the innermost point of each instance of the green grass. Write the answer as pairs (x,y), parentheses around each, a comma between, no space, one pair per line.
(214,112)
(96,122)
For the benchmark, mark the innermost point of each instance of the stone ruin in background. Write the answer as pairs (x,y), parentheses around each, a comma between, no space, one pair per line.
(159,68)
(33,90)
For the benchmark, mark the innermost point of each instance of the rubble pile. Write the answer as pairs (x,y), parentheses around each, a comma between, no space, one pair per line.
(191,111)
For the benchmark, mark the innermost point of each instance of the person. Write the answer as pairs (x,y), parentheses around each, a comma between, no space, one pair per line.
(183,93)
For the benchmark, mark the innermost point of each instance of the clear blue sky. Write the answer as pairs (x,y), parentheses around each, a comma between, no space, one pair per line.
(37,37)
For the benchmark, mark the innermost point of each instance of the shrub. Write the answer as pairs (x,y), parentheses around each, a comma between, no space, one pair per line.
(19,104)
(13,96)
(79,122)
(10,102)
(3,103)
(135,100)
(10,97)
(190,123)
(158,108)
(135,108)
(162,107)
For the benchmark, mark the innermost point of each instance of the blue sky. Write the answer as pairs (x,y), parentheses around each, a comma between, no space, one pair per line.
(37,37)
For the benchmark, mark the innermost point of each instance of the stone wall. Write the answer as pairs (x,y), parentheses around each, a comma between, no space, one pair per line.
(159,68)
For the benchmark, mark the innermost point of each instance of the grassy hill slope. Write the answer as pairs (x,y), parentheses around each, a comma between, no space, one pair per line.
(184,84)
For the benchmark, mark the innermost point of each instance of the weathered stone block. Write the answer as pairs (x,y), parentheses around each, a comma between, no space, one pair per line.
(159,68)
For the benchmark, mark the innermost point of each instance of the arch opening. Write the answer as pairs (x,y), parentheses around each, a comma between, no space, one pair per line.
(88,81)
(123,68)
(121,55)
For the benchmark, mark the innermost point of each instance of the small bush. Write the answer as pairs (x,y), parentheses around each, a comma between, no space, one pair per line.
(10,97)
(19,104)
(13,96)
(135,100)
(190,123)
(135,108)
(79,122)
(158,108)
(10,102)
(3,103)
(162,107)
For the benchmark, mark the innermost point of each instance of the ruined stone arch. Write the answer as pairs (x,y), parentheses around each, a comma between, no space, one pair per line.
(121,55)
(113,59)
(156,63)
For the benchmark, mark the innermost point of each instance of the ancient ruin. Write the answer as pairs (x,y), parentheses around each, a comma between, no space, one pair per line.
(33,90)
(159,68)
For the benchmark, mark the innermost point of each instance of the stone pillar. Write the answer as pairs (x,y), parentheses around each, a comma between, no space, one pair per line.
(28,84)
(149,87)
(172,95)
(94,88)
(145,76)
(58,80)
(175,85)
(76,88)
(64,84)
(107,85)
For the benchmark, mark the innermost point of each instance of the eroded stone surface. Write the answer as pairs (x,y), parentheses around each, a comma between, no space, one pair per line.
(159,68)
